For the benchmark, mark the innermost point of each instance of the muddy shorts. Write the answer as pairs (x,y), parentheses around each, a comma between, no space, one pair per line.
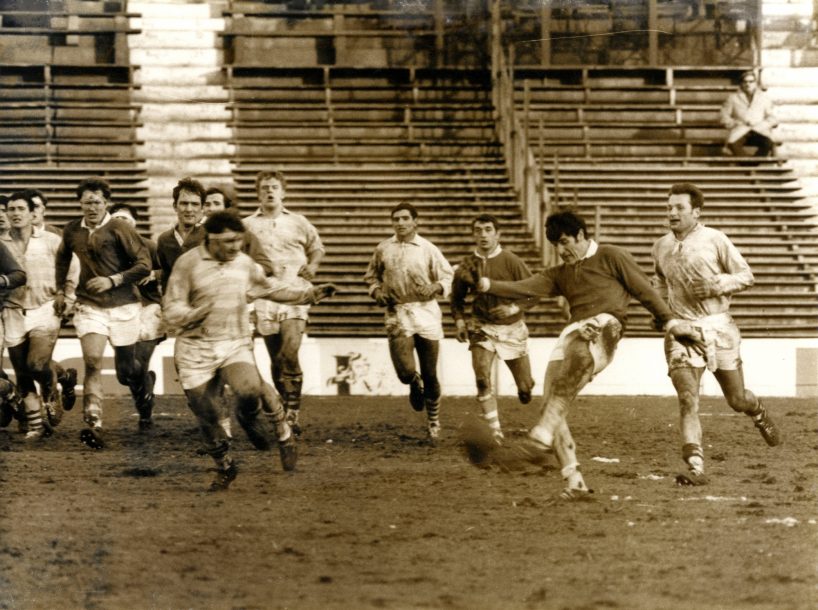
(120,324)
(508,341)
(422,318)
(198,361)
(722,337)
(602,349)
(21,323)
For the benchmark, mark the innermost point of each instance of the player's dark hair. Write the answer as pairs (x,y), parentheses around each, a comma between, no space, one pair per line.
(484,218)
(4,202)
(275,174)
(686,188)
(747,73)
(564,223)
(124,206)
(25,195)
(404,205)
(226,194)
(94,185)
(191,186)
(220,222)
(37,193)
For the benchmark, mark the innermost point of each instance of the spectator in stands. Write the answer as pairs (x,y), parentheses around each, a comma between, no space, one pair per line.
(151,330)
(697,270)
(497,325)
(40,205)
(406,274)
(748,114)
(113,260)
(217,199)
(598,281)
(188,201)
(295,248)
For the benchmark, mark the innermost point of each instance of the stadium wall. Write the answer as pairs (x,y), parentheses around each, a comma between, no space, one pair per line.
(360,366)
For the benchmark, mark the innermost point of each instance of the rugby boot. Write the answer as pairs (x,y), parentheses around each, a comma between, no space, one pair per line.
(224,477)
(434,432)
(92,437)
(571,495)
(67,385)
(524,396)
(145,404)
(691,478)
(288,452)
(766,426)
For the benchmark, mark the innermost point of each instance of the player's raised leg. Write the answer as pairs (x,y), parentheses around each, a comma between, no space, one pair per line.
(744,401)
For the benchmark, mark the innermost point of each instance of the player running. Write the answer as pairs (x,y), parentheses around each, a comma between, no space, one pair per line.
(405,275)
(697,270)
(293,244)
(598,281)
(498,327)
(30,322)
(113,260)
(206,302)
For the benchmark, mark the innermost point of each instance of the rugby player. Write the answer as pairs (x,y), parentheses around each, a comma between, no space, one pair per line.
(598,281)
(151,330)
(292,242)
(206,302)
(498,327)
(30,323)
(405,275)
(697,269)
(113,259)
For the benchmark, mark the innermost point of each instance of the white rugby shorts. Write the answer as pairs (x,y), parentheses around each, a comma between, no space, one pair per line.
(269,315)
(120,324)
(21,323)
(601,351)
(422,318)
(150,322)
(723,340)
(508,341)
(198,360)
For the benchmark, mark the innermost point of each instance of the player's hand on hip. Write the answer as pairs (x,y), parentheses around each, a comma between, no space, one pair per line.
(98,285)
(381,298)
(461,331)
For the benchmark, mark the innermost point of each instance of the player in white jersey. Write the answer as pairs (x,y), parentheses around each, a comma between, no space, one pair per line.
(293,244)
(30,322)
(697,270)
(406,274)
(206,303)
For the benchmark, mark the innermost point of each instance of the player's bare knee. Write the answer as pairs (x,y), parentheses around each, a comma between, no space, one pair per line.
(741,402)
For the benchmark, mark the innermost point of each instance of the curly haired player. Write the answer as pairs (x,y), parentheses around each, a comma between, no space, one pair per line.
(598,281)
(498,327)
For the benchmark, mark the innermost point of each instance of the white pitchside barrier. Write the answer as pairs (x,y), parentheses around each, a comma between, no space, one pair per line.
(355,366)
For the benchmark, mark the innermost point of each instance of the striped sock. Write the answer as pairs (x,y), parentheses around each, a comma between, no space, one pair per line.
(433,411)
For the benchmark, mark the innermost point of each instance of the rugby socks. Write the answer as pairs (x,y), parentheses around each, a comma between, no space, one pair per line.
(488,403)
(34,416)
(433,411)
(93,413)
(693,455)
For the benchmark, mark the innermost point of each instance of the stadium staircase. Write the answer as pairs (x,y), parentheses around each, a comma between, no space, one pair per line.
(66,102)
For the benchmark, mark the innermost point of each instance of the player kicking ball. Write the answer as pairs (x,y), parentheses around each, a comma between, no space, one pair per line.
(206,303)
(598,281)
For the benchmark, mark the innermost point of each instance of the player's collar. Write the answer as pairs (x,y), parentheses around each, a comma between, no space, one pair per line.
(491,254)
(414,241)
(592,248)
(102,223)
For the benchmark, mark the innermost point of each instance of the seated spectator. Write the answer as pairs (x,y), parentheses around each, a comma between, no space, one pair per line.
(748,114)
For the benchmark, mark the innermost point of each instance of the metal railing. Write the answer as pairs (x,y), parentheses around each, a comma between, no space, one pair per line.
(524,169)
